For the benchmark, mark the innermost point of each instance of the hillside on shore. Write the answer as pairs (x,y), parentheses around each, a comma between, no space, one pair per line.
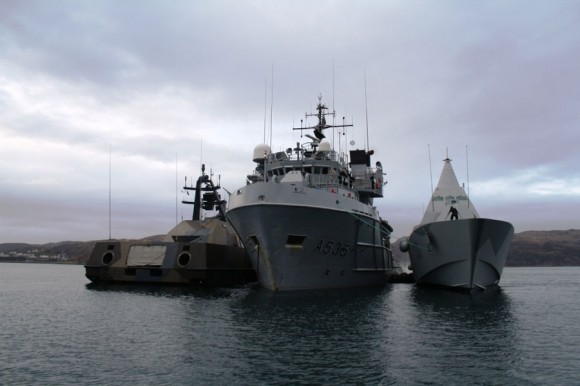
(528,249)
(545,248)
(71,252)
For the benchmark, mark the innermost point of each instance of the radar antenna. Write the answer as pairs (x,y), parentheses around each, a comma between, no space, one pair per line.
(322,125)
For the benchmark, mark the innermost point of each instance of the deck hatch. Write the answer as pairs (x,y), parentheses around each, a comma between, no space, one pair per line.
(146,255)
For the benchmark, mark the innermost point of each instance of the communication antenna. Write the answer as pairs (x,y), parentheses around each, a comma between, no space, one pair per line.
(265,106)
(110,192)
(201,153)
(366,112)
(176,189)
(431,173)
(271,104)
(467,166)
(333,115)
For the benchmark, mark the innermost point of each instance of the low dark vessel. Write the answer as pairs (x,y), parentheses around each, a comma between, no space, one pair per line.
(197,251)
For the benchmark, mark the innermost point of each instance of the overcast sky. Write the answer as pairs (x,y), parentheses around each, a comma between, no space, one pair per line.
(157,87)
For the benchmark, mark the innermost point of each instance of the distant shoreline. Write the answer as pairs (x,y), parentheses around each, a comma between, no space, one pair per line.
(557,248)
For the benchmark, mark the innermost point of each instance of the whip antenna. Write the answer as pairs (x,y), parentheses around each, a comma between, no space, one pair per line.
(366,112)
(333,115)
(265,106)
(176,189)
(271,104)
(110,192)
(467,166)
(431,173)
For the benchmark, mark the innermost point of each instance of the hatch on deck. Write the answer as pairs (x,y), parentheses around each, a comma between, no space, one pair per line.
(142,255)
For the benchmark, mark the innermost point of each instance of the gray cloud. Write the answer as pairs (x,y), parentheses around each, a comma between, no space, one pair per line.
(152,80)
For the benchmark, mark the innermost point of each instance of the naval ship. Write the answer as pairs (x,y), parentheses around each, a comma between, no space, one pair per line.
(306,215)
(200,251)
(453,246)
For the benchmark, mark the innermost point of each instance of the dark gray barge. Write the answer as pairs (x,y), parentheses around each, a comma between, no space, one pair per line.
(206,252)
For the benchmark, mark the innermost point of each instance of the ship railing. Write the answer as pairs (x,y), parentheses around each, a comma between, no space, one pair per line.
(254,177)
(369,180)
(320,155)
(331,183)
(323,181)
(330,155)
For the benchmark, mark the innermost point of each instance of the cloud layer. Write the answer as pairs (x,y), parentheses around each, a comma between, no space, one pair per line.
(152,89)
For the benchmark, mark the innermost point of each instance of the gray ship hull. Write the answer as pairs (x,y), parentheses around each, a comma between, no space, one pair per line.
(463,254)
(294,247)
(306,215)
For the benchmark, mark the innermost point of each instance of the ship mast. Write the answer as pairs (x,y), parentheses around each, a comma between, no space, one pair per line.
(322,124)
(209,200)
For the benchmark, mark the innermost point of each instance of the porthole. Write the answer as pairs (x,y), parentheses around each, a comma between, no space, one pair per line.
(108,257)
(183,259)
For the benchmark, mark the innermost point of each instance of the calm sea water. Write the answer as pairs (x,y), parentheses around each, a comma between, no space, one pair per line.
(55,329)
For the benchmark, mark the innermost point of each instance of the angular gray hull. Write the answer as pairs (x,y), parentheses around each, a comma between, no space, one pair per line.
(463,254)
(296,247)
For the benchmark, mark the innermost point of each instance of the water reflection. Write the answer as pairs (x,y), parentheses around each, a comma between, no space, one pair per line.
(305,336)
(447,329)
(489,311)
(165,291)
(444,297)
(384,335)
(524,333)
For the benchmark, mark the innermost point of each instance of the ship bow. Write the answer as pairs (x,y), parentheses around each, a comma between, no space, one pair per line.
(463,254)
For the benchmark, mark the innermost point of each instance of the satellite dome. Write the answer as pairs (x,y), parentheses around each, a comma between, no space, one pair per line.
(324,146)
(260,151)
